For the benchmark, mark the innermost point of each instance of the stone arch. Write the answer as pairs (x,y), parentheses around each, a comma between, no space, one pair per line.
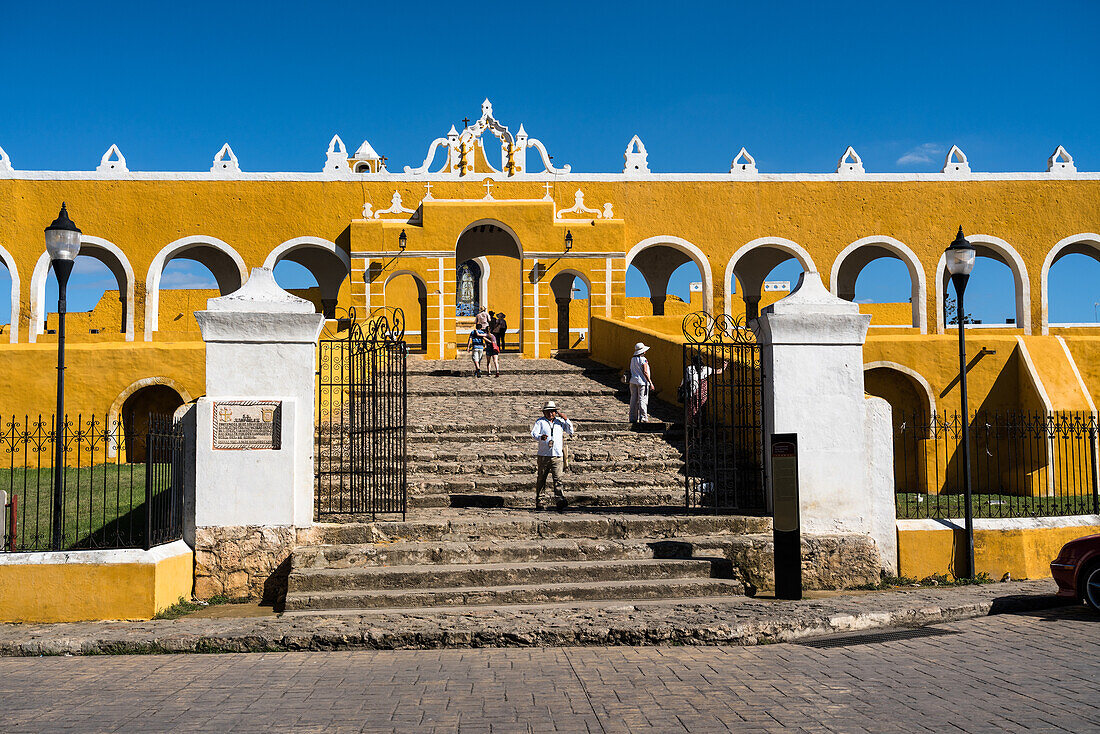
(223,261)
(1085,243)
(686,248)
(851,261)
(753,280)
(561,287)
(1001,251)
(13,272)
(108,253)
(422,300)
(328,262)
(114,413)
(493,222)
(916,379)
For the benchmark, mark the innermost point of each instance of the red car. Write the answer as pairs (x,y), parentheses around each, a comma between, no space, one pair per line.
(1077,570)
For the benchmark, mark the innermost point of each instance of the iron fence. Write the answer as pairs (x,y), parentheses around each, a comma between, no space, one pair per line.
(1023,464)
(722,393)
(362,414)
(105,501)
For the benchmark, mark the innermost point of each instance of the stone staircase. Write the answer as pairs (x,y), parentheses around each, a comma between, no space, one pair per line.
(472,536)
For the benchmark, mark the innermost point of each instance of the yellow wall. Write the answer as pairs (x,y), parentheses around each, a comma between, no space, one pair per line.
(1025,552)
(613,345)
(73,592)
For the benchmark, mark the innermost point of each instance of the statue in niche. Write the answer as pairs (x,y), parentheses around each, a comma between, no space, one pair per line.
(467,289)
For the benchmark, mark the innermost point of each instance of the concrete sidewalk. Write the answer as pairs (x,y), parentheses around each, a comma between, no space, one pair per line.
(715,621)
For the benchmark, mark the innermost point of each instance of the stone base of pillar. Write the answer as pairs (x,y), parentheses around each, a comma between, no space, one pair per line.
(244,561)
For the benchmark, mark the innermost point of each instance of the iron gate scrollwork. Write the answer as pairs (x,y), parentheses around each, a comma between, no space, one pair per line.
(722,392)
(362,418)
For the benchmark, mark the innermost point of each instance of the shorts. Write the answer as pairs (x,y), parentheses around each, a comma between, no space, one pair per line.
(479,353)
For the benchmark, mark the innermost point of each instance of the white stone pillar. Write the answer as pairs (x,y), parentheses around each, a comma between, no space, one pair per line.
(253,480)
(813,367)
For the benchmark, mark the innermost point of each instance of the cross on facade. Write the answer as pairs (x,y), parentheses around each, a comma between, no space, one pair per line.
(382,161)
(428,195)
(465,122)
(547,187)
(488,189)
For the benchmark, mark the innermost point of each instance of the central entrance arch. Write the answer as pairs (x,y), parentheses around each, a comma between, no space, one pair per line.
(489,274)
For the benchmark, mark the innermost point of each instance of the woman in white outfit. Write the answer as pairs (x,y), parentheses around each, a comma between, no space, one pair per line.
(641,383)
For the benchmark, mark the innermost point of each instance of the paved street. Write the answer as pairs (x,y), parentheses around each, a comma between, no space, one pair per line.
(1006,673)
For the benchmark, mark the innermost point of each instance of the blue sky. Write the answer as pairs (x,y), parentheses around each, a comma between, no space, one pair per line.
(793,82)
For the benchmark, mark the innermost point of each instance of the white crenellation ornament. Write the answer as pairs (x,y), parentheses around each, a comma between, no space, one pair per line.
(579,208)
(850,164)
(336,157)
(636,157)
(5,162)
(225,161)
(956,164)
(1060,161)
(743,163)
(112,161)
(394,208)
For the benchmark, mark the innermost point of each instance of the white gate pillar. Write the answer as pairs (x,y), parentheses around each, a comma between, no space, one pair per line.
(813,365)
(253,436)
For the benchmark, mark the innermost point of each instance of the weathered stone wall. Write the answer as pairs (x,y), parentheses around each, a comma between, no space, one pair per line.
(828,561)
(243,561)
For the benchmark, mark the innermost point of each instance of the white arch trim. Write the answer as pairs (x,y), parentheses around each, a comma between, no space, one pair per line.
(298,243)
(156,269)
(42,272)
(114,413)
(9,262)
(1087,238)
(483,284)
(496,223)
(914,375)
(697,255)
(1019,274)
(907,256)
(795,250)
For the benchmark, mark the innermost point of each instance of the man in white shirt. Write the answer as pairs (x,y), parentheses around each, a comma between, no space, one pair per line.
(549,431)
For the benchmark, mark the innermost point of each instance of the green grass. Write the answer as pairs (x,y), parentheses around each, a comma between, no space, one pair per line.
(913,505)
(936,579)
(100,502)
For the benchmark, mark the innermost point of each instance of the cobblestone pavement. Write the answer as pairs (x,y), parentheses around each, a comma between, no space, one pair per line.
(713,621)
(1007,673)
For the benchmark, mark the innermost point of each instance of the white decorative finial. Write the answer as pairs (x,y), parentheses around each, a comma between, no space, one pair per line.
(5,162)
(487,108)
(607,213)
(1061,161)
(743,162)
(367,213)
(452,133)
(225,161)
(956,164)
(637,159)
(521,133)
(336,156)
(850,163)
(115,164)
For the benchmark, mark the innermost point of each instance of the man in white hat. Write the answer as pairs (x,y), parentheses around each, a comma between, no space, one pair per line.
(641,383)
(548,431)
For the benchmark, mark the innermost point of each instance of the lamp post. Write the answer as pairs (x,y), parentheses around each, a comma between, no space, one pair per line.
(63,244)
(960,262)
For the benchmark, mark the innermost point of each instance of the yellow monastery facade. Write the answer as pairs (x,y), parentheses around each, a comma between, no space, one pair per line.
(484,221)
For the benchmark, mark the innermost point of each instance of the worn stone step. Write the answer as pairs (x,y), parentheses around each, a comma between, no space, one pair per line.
(494,574)
(525,465)
(632,500)
(578,481)
(360,555)
(525,525)
(526,594)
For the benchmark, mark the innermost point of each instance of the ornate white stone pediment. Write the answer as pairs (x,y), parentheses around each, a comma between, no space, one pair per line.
(112,161)
(956,164)
(225,161)
(467,152)
(850,163)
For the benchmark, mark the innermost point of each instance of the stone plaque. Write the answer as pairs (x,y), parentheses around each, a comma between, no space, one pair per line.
(247,424)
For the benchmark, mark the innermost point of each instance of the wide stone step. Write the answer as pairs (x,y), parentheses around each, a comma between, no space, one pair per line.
(620,432)
(490,387)
(524,526)
(497,466)
(360,555)
(427,483)
(521,594)
(633,500)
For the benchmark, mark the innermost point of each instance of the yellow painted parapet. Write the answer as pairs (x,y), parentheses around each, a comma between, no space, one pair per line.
(1023,547)
(76,586)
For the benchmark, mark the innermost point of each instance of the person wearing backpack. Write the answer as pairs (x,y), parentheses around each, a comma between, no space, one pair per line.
(492,352)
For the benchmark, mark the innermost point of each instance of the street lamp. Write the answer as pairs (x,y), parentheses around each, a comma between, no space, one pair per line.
(960,262)
(402,240)
(568,240)
(63,244)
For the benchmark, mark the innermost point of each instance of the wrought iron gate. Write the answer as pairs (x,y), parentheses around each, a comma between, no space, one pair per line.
(362,419)
(723,401)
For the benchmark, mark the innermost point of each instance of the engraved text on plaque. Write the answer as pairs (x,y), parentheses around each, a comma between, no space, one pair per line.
(247,424)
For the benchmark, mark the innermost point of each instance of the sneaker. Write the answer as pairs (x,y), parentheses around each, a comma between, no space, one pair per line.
(561,504)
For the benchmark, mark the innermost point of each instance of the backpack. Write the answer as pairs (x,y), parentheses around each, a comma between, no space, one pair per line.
(492,341)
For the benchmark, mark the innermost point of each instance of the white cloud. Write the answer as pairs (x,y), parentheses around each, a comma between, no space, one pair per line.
(172,281)
(923,153)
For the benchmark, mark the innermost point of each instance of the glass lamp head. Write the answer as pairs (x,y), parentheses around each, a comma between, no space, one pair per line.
(402,240)
(568,240)
(63,237)
(960,255)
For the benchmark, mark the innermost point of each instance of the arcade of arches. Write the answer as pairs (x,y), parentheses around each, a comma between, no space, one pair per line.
(488,230)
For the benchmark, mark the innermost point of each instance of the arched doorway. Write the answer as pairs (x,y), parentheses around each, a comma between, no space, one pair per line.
(573,310)
(405,290)
(136,409)
(656,260)
(324,261)
(913,411)
(757,261)
(488,265)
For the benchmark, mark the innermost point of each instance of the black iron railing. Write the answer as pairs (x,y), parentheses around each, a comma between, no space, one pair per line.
(722,393)
(1023,464)
(106,501)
